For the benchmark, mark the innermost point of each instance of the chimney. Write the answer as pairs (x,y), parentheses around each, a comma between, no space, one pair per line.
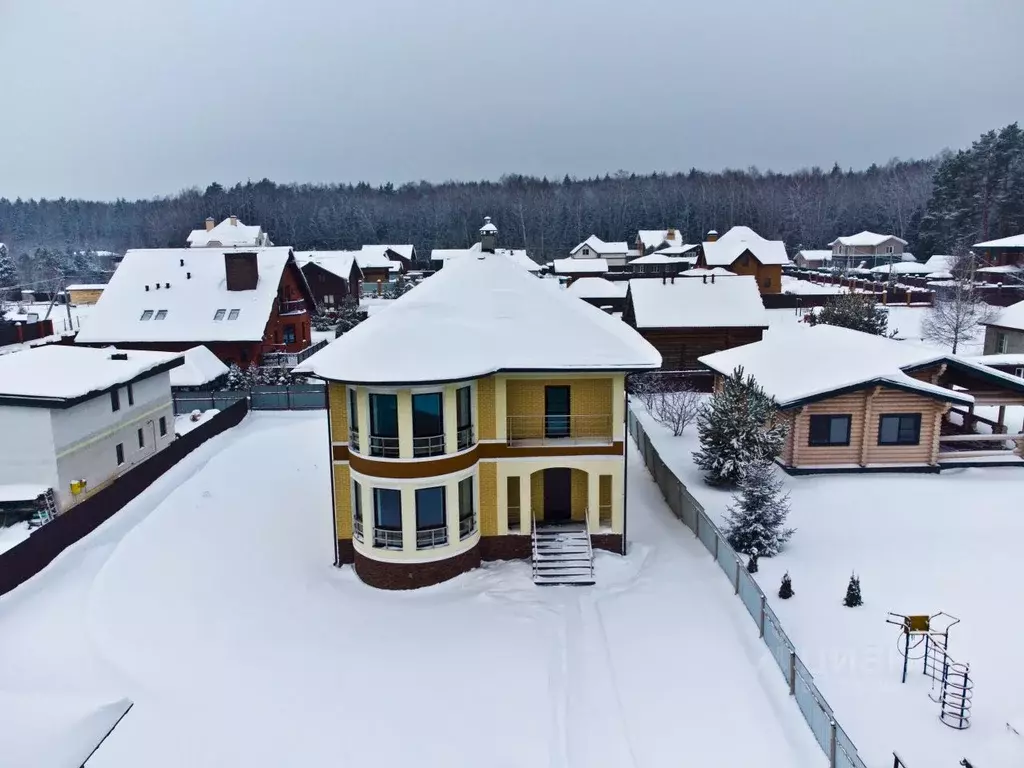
(167,285)
(671,234)
(234,220)
(181,262)
(711,236)
(705,279)
(210,223)
(156,286)
(488,236)
(147,286)
(241,271)
(188,275)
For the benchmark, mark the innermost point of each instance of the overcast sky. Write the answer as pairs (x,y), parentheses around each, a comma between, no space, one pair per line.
(135,98)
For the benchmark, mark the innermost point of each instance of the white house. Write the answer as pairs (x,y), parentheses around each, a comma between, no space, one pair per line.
(229,233)
(75,418)
(867,249)
(596,248)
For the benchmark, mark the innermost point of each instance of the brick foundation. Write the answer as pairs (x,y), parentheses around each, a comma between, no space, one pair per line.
(346,553)
(393,575)
(611,542)
(505,547)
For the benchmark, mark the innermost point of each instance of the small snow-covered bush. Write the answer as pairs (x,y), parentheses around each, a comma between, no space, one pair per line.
(676,409)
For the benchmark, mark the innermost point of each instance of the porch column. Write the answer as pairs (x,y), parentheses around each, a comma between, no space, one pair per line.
(525,504)
(593,502)
(969,419)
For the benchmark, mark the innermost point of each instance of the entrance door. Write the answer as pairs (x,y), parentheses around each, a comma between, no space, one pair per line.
(556,411)
(557,495)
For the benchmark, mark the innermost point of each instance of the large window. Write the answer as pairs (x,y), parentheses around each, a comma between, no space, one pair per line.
(464,417)
(899,429)
(829,430)
(289,334)
(431,526)
(353,419)
(467,513)
(115,400)
(427,424)
(387,518)
(513,503)
(1002,343)
(384,425)
(556,411)
(357,511)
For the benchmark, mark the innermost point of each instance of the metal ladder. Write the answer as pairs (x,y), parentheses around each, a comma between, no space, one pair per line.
(47,513)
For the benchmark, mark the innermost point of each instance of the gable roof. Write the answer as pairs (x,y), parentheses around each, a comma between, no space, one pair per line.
(827,360)
(902,268)
(651,238)
(940,263)
(58,375)
(866,239)
(701,272)
(598,288)
(573,266)
(191,304)
(338,263)
(663,258)
(227,234)
(201,367)
(678,250)
(406,250)
(475,317)
(729,302)
(597,245)
(373,257)
(1011,317)
(1014,241)
(730,246)
(812,255)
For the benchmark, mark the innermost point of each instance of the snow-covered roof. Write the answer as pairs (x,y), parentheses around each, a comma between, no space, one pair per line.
(678,250)
(939,275)
(728,302)
(404,250)
(1002,269)
(1014,241)
(1011,317)
(901,268)
(227,234)
(201,367)
(86,287)
(651,238)
(373,257)
(515,255)
(907,256)
(810,255)
(866,239)
(658,257)
(488,226)
(701,272)
(597,245)
(577,266)
(478,316)
(1004,359)
(941,262)
(191,304)
(730,246)
(338,263)
(58,372)
(598,288)
(826,359)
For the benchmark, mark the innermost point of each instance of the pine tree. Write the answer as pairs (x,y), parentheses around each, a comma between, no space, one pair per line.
(736,427)
(236,377)
(252,376)
(786,589)
(758,514)
(8,274)
(853,598)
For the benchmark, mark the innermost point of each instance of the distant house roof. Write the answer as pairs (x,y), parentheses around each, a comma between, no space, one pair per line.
(1009,359)
(701,272)
(515,255)
(477,316)
(600,247)
(1014,241)
(406,250)
(902,268)
(659,257)
(86,287)
(56,374)
(373,257)
(189,309)
(1002,269)
(228,233)
(572,266)
(940,263)
(338,263)
(728,302)
(652,238)
(866,239)
(827,360)
(598,288)
(678,250)
(814,256)
(730,246)
(201,367)
(1011,317)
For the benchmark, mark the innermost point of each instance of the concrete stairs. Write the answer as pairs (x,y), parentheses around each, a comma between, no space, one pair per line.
(562,555)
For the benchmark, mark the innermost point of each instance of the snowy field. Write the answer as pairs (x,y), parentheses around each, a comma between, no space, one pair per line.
(211,601)
(920,544)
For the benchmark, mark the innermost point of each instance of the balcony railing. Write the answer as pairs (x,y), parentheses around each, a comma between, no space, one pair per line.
(290,359)
(385,447)
(357,529)
(293,306)
(432,445)
(428,538)
(353,439)
(384,538)
(467,527)
(464,438)
(548,430)
(604,515)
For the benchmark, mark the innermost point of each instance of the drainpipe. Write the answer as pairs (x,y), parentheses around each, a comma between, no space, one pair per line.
(330,463)
(625,464)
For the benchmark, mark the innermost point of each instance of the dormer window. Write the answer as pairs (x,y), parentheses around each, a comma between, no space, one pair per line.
(233,314)
(160,314)
(146,314)
(219,314)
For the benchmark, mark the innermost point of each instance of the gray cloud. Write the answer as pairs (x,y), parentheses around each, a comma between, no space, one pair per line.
(112,98)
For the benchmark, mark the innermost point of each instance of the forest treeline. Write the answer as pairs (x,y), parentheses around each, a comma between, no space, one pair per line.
(978,193)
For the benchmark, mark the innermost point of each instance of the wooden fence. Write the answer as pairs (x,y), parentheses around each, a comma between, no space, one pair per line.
(29,557)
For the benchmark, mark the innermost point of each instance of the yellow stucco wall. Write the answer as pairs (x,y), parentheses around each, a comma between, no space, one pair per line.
(339,412)
(537,494)
(343,501)
(487,472)
(578,487)
(590,397)
(485,408)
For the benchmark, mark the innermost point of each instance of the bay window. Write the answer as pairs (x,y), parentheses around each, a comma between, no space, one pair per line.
(384,425)
(427,424)
(431,525)
(387,518)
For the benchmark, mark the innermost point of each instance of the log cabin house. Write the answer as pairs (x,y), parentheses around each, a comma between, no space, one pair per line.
(331,275)
(856,402)
(685,318)
(743,251)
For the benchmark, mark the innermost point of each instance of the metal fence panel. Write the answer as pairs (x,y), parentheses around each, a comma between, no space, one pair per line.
(269,398)
(776,643)
(222,400)
(846,753)
(307,397)
(750,594)
(817,719)
(707,532)
(726,558)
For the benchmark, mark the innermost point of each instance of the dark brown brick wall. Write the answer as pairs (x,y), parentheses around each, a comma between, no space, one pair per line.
(414,575)
(505,547)
(608,541)
(346,553)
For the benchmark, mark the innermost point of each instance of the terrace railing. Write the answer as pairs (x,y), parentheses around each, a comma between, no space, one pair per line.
(428,538)
(385,538)
(590,429)
(464,438)
(430,445)
(384,447)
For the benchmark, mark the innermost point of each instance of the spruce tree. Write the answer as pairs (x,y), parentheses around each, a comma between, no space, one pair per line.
(853,598)
(235,377)
(736,427)
(8,274)
(858,312)
(786,589)
(758,514)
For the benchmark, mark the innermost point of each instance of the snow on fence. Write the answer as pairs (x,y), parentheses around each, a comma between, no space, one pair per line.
(819,716)
(294,397)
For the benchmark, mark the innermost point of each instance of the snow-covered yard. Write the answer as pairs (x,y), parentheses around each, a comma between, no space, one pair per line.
(212,602)
(184,423)
(13,535)
(920,544)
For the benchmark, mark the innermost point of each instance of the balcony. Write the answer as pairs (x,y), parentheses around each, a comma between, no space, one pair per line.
(464,438)
(353,440)
(385,538)
(467,527)
(559,430)
(384,447)
(357,529)
(432,445)
(292,307)
(429,538)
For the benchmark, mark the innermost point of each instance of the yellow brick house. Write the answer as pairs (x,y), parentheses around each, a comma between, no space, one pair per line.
(490,425)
